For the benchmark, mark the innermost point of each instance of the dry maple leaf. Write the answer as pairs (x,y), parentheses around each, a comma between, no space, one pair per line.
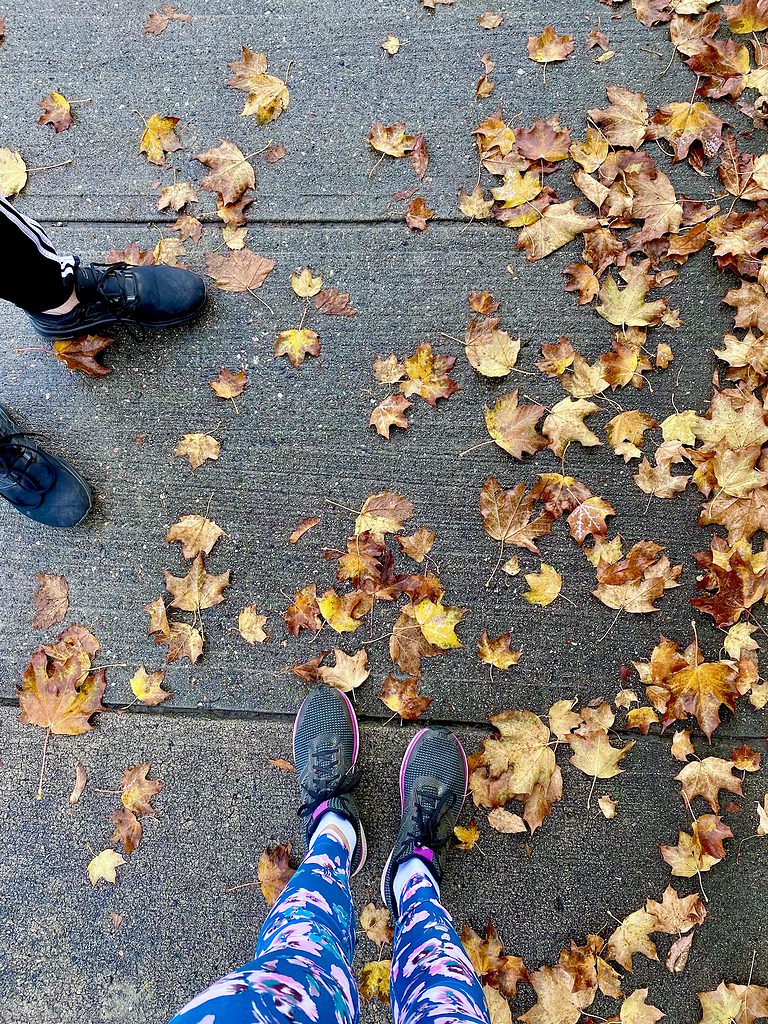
(734,1004)
(344,612)
(418,545)
(296,344)
(128,829)
(59,689)
(513,426)
(147,687)
(383,513)
(676,914)
(377,924)
(51,599)
(700,850)
(374,977)
(240,271)
(556,999)
(176,196)
(417,214)
(199,589)
(198,448)
(181,639)
(490,350)
(588,519)
(518,764)
(159,138)
(549,46)
(625,121)
(304,527)
(267,95)
(627,307)
(250,625)
(137,791)
(332,302)
(403,698)
(274,871)
(349,671)
(229,384)
(13,172)
(391,44)
(391,140)
(427,374)
(304,612)
(543,586)
(558,225)
(230,172)
(103,866)
(474,204)
(158,21)
(565,423)
(408,645)
(693,130)
(466,836)
(438,623)
(305,284)
(82,353)
(497,652)
(56,112)
(197,535)
(635,1009)
(507,515)
(632,937)
(492,965)
(594,755)
(706,778)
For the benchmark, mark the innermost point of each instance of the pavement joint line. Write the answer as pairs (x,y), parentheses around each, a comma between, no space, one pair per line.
(266,222)
(247,715)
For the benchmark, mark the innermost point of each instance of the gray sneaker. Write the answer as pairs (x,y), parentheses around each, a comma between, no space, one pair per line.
(433,785)
(326,740)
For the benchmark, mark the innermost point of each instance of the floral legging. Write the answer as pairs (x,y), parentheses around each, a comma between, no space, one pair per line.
(302,971)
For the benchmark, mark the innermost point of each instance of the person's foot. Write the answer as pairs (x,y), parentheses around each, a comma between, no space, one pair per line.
(433,784)
(326,740)
(138,297)
(39,485)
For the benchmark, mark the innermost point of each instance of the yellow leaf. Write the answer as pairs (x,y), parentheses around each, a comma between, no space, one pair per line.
(158,138)
(467,835)
(438,623)
(147,687)
(305,284)
(251,625)
(13,173)
(335,611)
(544,586)
(374,981)
(103,866)
(297,345)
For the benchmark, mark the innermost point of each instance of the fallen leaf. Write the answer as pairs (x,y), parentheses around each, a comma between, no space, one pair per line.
(103,866)
(82,353)
(497,652)
(13,172)
(268,95)
(137,791)
(51,599)
(229,384)
(197,535)
(348,672)
(274,871)
(403,698)
(374,977)
(543,586)
(158,21)
(147,687)
(198,448)
(56,112)
(297,344)
(239,271)
(199,589)
(304,527)
(159,138)
(128,829)
(81,781)
(230,173)
(251,625)
(377,924)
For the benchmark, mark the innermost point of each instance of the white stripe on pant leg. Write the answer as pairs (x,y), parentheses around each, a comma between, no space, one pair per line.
(43,245)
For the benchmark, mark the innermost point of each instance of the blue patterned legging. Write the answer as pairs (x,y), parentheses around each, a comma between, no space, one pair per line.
(302,971)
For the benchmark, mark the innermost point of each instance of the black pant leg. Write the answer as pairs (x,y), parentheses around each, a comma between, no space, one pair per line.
(32,275)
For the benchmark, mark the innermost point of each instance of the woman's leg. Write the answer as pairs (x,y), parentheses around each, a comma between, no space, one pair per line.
(301,972)
(32,274)
(432,977)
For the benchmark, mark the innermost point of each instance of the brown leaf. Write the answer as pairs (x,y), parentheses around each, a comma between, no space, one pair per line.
(304,527)
(497,652)
(198,448)
(239,271)
(251,625)
(230,173)
(418,545)
(349,671)
(377,924)
(549,46)
(229,384)
(267,94)
(275,871)
(56,112)
(198,589)
(197,535)
(51,598)
(304,612)
(158,21)
(81,781)
(333,302)
(59,688)
(127,829)
(82,353)
(402,697)
(417,214)
(513,426)
(137,791)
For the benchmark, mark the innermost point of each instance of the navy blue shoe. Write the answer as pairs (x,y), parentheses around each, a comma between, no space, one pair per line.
(326,741)
(136,297)
(433,785)
(41,486)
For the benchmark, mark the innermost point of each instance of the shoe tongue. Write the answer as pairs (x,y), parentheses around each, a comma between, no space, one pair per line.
(95,284)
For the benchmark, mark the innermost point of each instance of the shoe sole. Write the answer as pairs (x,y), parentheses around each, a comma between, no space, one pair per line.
(107,321)
(403,768)
(355,750)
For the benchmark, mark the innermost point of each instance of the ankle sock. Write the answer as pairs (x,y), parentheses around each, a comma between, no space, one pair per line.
(342,824)
(410,869)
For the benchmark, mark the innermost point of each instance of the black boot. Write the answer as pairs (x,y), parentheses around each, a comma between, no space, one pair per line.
(39,485)
(138,297)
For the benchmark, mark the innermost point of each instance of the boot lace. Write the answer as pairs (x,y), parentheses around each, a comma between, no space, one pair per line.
(424,828)
(116,299)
